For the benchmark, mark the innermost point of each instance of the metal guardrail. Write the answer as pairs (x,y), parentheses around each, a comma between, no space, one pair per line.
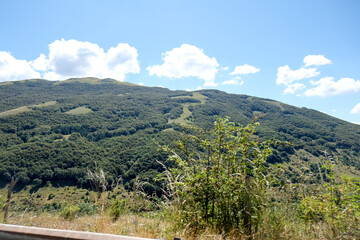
(16,232)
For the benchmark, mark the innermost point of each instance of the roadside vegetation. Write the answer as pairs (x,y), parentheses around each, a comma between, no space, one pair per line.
(215,184)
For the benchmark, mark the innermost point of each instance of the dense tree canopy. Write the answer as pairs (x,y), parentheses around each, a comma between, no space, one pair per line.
(55,131)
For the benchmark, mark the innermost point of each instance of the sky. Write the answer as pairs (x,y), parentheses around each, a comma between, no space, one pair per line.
(302,53)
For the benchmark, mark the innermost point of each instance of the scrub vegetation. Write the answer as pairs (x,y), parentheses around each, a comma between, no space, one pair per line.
(124,154)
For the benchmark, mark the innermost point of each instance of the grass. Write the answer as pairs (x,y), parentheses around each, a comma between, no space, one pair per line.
(278,104)
(15,111)
(25,109)
(79,111)
(94,81)
(186,114)
(129,225)
(50,103)
(280,220)
(154,226)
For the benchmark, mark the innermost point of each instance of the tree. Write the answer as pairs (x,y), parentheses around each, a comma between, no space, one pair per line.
(220,177)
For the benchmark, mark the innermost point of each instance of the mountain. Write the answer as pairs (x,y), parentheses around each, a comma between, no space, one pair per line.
(57,130)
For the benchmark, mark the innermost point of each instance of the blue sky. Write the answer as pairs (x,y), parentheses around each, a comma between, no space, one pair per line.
(303,53)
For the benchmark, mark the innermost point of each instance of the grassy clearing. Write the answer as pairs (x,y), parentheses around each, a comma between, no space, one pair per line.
(15,111)
(6,83)
(278,104)
(50,103)
(25,109)
(186,114)
(79,111)
(94,81)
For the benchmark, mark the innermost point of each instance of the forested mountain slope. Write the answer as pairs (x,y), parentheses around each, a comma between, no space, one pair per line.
(55,131)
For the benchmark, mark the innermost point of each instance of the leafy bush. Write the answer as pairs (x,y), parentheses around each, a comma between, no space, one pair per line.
(70,212)
(51,196)
(2,202)
(337,204)
(37,182)
(87,208)
(117,208)
(220,179)
(49,207)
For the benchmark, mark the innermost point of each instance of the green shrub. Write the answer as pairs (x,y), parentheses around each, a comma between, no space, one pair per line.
(51,196)
(336,205)
(2,202)
(49,207)
(37,182)
(70,212)
(117,208)
(220,178)
(87,208)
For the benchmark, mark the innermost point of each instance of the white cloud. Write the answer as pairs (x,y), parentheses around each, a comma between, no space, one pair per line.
(74,58)
(122,60)
(328,87)
(224,68)
(316,60)
(141,83)
(233,82)
(210,84)
(245,69)
(292,88)
(287,76)
(40,64)
(356,109)
(187,61)
(199,88)
(12,69)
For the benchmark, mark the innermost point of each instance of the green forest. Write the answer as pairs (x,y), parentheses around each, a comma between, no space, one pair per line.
(55,131)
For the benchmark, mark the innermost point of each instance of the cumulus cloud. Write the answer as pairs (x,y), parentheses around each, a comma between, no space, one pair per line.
(233,82)
(187,61)
(40,64)
(356,109)
(328,87)
(245,69)
(287,76)
(316,60)
(72,58)
(12,69)
(292,88)
(210,84)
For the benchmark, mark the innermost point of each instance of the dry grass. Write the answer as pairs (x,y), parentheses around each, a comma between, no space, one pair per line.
(129,225)
(154,226)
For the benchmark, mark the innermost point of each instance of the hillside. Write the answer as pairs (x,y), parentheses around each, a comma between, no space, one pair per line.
(55,131)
